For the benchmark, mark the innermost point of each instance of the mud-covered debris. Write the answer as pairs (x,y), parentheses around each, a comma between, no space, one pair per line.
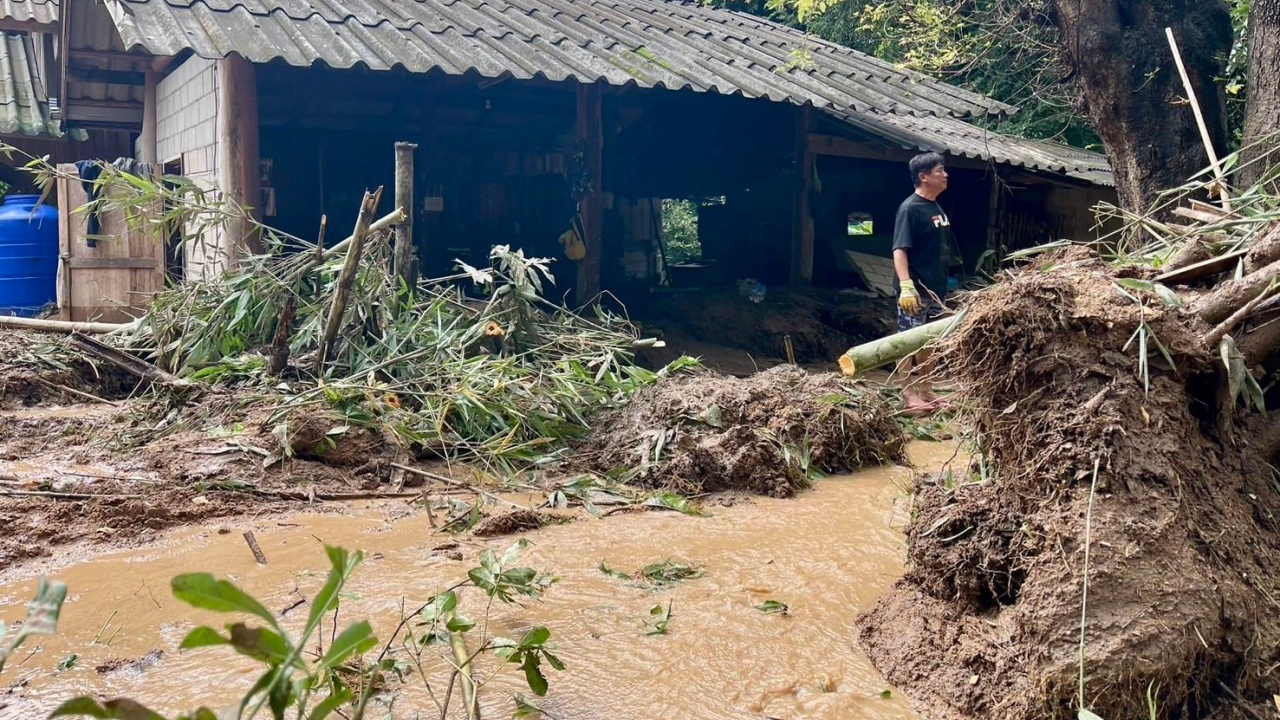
(1184,537)
(771,433)
(514,522)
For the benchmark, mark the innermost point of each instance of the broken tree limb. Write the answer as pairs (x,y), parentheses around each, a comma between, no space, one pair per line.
(893,348)
(346,278)
(1263,251)
(1215,335)
(62,326)
(1230,296)
(129,363)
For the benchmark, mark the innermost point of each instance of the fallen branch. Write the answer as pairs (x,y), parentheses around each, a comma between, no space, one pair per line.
(77,393)
(386,222)
(346,278)
(1230,296)
(65,495)
(129,363)
(892,348)
(1200,270)
(62,326)
(1215,335)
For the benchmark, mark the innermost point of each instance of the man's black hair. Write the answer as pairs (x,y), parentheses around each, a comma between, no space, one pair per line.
(924,163)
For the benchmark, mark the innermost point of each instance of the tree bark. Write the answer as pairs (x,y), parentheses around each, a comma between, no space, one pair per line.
(1134,94)
(1262,101)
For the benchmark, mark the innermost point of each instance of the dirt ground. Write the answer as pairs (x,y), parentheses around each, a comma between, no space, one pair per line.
(1181,517)
(87,455)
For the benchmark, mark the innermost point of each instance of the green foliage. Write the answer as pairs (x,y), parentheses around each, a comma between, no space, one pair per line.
(680,231)
(1005,49)
(42,618)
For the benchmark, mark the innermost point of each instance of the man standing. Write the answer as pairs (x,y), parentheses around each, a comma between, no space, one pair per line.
(921,249)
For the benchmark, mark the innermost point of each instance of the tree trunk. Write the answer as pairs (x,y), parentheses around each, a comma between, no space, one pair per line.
(1134,94)
(1262,103)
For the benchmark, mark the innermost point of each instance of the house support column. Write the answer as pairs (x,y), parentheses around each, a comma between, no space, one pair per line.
(239,151)
(591,206)
(802,227)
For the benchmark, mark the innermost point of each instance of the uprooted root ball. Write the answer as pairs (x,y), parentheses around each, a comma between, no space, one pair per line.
(769,433)
(1184,540)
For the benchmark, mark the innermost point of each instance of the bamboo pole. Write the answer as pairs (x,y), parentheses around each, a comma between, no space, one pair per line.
(1204,130)
(892,348)
(390,220)
(346,277)
(62,326)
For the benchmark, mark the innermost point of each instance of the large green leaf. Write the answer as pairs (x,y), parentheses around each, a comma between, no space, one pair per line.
(261,644)
(342,564)
(204,591)
(330,704)
(202,636)
(355,640)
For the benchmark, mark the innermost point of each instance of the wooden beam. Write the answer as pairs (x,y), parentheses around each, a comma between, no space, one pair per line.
(405,257)
(843,147)
(88,74)
(105,55)
(802,226)
(590,129)
(239,149)
(147,138)
(64,55)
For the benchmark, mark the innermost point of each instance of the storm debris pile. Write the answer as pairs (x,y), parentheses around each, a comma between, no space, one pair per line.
(770,433)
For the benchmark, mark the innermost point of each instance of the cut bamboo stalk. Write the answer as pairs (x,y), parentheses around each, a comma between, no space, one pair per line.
(346,278)
(386,222)
(131,363)
(892,348)
(62,326)
(1204,130)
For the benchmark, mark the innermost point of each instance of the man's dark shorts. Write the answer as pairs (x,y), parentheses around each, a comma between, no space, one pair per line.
(929,311)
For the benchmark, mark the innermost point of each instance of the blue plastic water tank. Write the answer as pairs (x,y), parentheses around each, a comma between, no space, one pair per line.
(28,255)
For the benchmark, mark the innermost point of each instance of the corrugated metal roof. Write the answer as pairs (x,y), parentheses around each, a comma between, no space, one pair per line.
(24,107)
(38,12)
(647,43)
(957,137)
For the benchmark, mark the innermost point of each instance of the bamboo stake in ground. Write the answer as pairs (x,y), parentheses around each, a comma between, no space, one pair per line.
(346,277)
(404,250)
(892,348)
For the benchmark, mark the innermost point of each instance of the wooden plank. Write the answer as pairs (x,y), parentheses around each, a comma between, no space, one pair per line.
(590,127)
(1199,215)
(1201,270)
(1210,208)
(111,263)
(103,55)
(238,137)
(87,74)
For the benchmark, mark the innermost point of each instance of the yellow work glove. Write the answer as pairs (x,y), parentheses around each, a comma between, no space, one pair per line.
(908,298)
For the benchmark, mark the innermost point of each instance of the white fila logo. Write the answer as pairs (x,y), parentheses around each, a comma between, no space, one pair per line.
(941,221)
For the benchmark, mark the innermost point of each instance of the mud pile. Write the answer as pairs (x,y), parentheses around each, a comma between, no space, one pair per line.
(770,433)
(1185,542)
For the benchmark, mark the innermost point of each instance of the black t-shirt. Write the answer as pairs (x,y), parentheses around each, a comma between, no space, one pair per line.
(924,231)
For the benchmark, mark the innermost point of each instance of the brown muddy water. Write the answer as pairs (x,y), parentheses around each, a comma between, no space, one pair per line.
(827,554)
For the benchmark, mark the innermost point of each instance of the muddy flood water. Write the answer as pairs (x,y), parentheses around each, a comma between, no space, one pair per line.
(827,554)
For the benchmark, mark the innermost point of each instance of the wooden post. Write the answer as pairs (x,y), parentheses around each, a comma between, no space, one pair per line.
(590,129)
(147,138)
(802,227)
(405,257)
(238,141)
